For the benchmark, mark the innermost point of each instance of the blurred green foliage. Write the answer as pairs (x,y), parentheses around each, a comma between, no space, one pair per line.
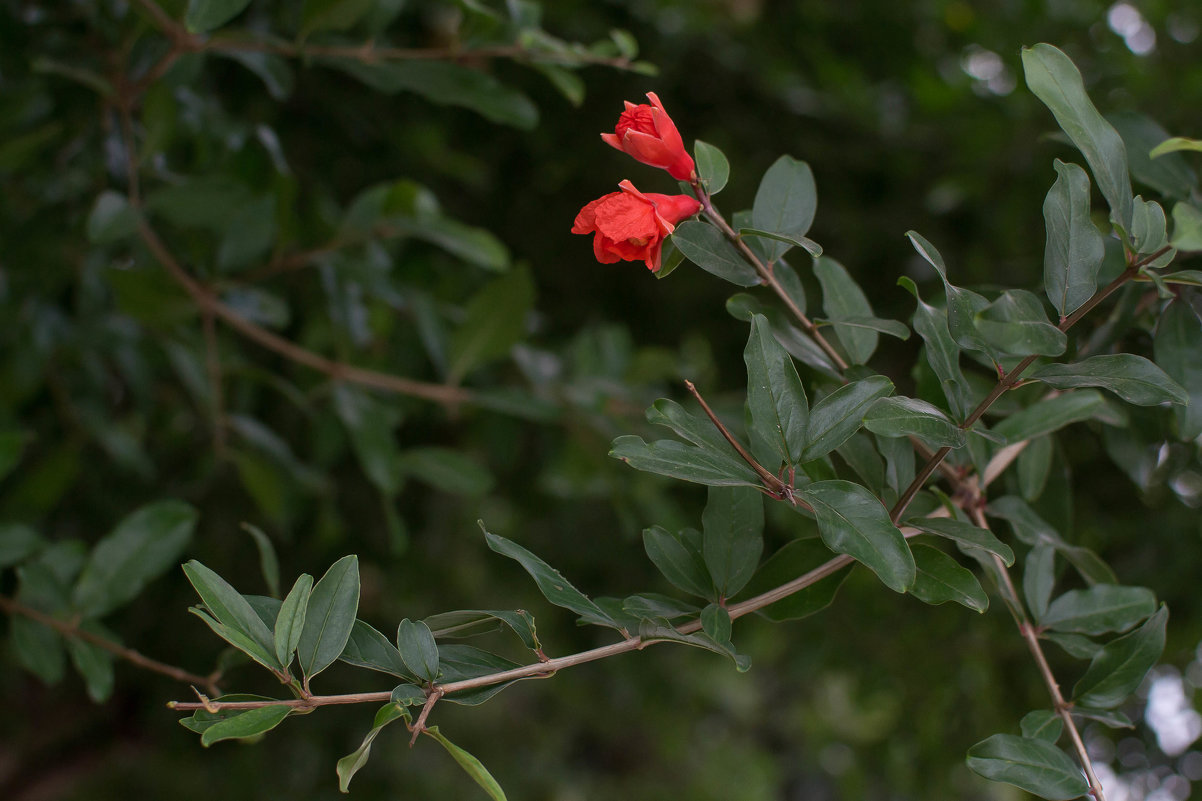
(912,116)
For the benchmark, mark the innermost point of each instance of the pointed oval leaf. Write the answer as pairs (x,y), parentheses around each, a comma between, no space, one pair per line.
(330,616)
(776,402)
(940,578)
(1055,80)
(1039,578)
(1042,724)
(1177,345)
(842,299)
(705,246)
(368,648)
(840,414)
(466,622)
(715,621)
(416,643)
(670,458)
(1187,228)
(18,542)
(852,520)
(231,611)
(1034,765)
(350,764)
(904,417)
(1073,253)
(795,559)
(247,723)
(1118,669)
(963,305)
(1016,324)
(290,621)
(1050,415)
(1099,609)
(205,15)
(140,548)
(942,353)
(1133,378)
(712,166)
(679,558)
(554,587)
(471,766)
(732,536)
(964,534)
(784,203)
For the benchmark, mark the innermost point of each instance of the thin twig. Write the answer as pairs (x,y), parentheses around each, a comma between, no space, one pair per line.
(767,277)
(67,629)
(1031,638)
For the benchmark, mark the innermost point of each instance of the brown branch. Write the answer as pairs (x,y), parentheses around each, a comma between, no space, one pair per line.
(1030,636)
(68,629)
(767,277)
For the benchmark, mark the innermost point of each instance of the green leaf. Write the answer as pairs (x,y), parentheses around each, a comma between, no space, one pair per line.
(712,166)
(796,559)
(93,663)
(269,563)
(329,617)
(141,547)
(372,426)
(903,417)
(418,649)
(784,203)
(1034,530)
(1175,144)
(17,543)
(467,622)
(1099,609)
(679,557)
(663,631)
(939,578)
(1119,668)
(1075,645)
(1015,324)
(963,305)
(1039,578)
(942,352)
(1177,345)
(965,535)
(494,321)
(200,720)
(776,401)
(852,521)
(368,648)
(331,15)
(1169,174)
(38,648)
(743,307)
(732,536)
(1149,228)
(458,662)
(1055,80)
(290,621)
(1034,765)
(444,83)
(470,765)
(1074,250)
(1133,378)
(650,605)
(670,458)
(715,622)
(1050,415)
(891,327)
(842,299)
(1042,724)
(445,469)
(232,613)
(554,587)
(477,246)
(205,15)
(111,219)
(565,81)
(839,415)
(803,242)
(273,70)
(705,246)
(1187,228)
(350,764)
(247,723)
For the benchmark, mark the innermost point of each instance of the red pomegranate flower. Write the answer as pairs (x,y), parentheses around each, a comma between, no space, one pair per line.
(631,225)
(648,134)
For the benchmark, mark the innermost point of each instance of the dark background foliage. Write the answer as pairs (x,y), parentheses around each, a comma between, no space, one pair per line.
(102,368)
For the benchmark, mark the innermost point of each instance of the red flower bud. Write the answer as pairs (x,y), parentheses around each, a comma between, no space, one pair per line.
(630,225)
(648,134)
